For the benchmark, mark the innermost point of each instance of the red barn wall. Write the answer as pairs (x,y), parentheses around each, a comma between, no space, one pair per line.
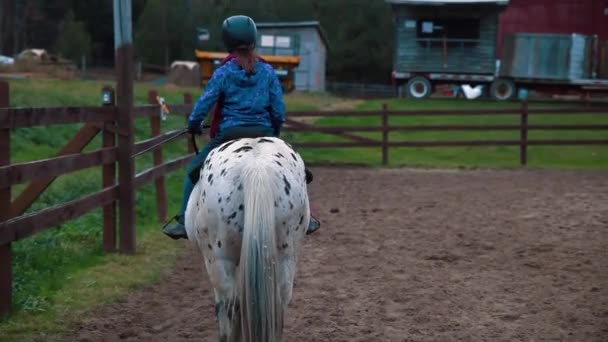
(554,16)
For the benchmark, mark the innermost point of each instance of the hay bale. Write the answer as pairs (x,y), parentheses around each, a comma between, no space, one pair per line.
(185,74)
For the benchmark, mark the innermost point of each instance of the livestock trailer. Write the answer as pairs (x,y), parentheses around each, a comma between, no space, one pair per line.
(455,41)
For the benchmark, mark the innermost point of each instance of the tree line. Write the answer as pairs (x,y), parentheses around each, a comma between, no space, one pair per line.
(360,32)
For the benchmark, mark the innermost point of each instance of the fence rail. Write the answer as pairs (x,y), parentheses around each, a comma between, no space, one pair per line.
(347,132)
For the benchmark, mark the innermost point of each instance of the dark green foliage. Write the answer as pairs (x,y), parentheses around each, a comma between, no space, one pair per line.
(360,37)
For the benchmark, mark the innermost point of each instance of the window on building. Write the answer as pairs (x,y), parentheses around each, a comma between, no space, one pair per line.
(283,42)
(267,41)
(458,32)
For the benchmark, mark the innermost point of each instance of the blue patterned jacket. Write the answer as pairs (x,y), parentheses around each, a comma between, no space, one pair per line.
(255,99)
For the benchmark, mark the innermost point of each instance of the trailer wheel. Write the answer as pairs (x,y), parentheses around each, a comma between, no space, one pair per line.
(419,87)
(502,89)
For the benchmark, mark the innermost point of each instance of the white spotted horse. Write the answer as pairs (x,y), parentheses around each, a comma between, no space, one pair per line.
(248,214)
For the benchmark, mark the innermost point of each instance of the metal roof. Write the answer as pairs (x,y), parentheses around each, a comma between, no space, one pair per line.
(446,2)
(296,24)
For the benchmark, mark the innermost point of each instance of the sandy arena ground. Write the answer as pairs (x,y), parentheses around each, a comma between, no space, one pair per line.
(417,255)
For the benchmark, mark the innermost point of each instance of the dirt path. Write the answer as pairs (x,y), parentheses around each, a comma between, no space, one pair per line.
(419,256)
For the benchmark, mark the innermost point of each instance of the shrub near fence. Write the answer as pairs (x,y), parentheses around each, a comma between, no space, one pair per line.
(15,225)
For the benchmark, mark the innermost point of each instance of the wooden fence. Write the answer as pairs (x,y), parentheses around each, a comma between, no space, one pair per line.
(115,123)
(348,132)
(15,224)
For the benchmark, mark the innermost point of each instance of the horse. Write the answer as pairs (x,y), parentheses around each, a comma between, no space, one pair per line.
(248,215)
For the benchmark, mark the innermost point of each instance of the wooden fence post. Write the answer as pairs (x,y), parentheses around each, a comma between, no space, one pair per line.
(126,165)
(124,99)
(6,272)
(109,179)
(161,194)
(523,144)
(384,134)
(188,101)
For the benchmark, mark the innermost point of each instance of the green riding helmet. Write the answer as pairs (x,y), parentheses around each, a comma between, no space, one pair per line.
(239,32)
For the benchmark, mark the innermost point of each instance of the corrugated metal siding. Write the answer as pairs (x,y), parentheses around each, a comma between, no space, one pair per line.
(586,17)
(410,56)
(546,56)
(603,61)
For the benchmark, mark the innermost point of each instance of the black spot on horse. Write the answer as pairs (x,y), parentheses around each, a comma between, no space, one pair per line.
(243,149)
(228,199)
(279,155)
(226,145)
(241,207)
(285,245)
(278,163)
(204,193)
(210,178)
(290,205)
(301,219)
(222,209)
(219,243)
(223,172)
(209,245)
(287,185)
(263,140)
(287,232)
(233,216)
(294,157)
(240,187)
(276,205)
(219,200)
(284,223)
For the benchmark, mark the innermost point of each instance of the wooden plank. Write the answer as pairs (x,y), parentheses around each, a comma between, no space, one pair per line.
(148,175)
(161,194)
(384,134)
(28,117)
(571,142)
(454,143)
(145,111)
(341,129)
(6,270)
(126,166)
(340,134)
(23,226)
(145,144)
(33,191)
(523,135)
(53,167)
(109,210)
(108,179)
(452,112)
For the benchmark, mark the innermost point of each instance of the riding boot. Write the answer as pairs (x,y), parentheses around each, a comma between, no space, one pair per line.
(176,230)
(313,225)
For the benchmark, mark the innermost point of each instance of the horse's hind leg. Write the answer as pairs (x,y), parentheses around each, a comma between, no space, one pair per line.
(227,306)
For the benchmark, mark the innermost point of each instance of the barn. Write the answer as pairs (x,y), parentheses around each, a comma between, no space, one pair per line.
(305,39)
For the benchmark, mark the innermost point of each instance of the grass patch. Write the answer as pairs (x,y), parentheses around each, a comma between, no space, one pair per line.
(568,157)
(62,272)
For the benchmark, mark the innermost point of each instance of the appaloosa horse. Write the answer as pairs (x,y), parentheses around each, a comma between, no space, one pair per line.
(248,214)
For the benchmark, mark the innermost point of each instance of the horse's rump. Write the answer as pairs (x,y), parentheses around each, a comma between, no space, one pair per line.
(248,214)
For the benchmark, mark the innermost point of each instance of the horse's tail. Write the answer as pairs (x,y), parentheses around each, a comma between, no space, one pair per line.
(260,300)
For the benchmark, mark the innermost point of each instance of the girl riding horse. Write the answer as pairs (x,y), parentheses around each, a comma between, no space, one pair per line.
(250,103)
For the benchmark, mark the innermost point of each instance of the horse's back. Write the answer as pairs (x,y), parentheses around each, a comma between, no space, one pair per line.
(215,215)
